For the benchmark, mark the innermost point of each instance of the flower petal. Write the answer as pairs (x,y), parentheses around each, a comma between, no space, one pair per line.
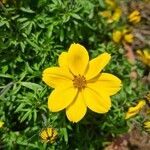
(96,65)
(44,135)
(76,111)
(147,124)
(132,111)
(78,59)
(56,76)
(61,98)
(129,38)
(63,59)
(146,53)
(107,83)
(133,14)
(96,101)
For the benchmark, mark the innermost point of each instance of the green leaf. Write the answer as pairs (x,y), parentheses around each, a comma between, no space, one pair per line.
(27,10)
(32,86)
(76,16)
(101,3)
(25,24)
(50,30)
(6,76)
(35,115)
(5,90)
(65,133)
(20,107)
(26,115)
(61,35)
(2,23)
(33,44)
(22,19)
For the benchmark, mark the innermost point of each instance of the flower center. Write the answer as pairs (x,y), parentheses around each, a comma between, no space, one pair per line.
(79,82)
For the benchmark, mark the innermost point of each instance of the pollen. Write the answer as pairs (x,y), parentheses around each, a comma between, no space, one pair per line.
(79,82)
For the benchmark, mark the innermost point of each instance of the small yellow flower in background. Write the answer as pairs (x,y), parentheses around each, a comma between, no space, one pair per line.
(128,38)
(147,125)
(80,83)
(1,124)
(117,14)
(113,12)
(111,3)
(134,17)
(117,35)
(144,56)
(132,111)
(112,16)
(122,36)
(48,135)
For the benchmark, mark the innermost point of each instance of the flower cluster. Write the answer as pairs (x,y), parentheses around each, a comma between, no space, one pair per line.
(123,35)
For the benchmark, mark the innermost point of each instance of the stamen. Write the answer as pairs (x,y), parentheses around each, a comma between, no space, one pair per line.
(79,82)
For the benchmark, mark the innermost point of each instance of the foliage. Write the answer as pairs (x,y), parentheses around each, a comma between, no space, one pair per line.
(32,35)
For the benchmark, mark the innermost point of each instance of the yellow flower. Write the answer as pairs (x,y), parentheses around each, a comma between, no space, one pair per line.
(1,124)
(134,17)
(122,36)
(132,111)
(147,125)
(113,12)
(117,35)
(112,15)
(128,38)
(144,56)
(79,83)
(117,14)
(111,3)
(48,135)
